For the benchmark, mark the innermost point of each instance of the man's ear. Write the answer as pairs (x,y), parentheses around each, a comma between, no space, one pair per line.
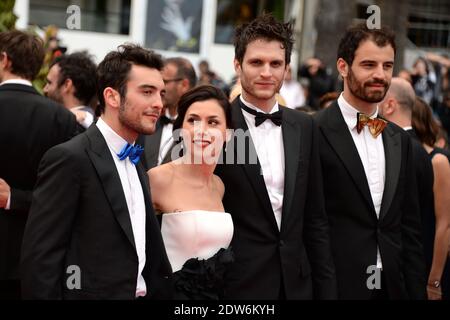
(112,97)
(342,67)
(391,106)
(185,84)
(237,67)
(68,85)
(5,63)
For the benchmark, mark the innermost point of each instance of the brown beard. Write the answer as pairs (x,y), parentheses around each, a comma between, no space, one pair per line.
(358,89)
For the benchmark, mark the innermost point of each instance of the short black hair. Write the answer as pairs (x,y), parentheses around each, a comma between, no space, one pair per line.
(25,50)
(81,69)
(359,33)
(202,93)
(263,27)
(113,71)
(185,69)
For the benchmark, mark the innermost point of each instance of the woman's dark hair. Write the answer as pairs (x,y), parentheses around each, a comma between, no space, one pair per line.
(202,93)
(423,122)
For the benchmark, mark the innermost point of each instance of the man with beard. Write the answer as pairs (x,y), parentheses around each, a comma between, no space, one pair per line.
(273,186)
(369,180)
(92,232)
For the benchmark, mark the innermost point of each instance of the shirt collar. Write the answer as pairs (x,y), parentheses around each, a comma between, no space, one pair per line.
(113,140)
(167,113)
(17,81)
(275,108)
(350,113)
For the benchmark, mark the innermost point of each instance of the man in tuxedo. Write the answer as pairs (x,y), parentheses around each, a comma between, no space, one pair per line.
(92,232)
(273,185)
(71,82)
(30,124)
(368,178)
(179,77)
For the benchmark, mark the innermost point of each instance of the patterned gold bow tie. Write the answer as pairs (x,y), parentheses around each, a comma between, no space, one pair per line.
(376,126)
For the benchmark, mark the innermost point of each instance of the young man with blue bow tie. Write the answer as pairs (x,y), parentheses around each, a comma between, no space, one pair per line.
(92,233)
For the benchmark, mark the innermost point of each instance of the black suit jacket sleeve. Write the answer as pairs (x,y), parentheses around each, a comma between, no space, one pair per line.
(20,200)
(54,203)
(316,231)
(412,255)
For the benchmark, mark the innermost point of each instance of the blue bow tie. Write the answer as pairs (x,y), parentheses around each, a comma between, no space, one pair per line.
(133,152)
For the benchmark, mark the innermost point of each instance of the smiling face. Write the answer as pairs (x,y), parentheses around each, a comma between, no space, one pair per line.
(262,72)
(367,80)
(141,107)
(204,131)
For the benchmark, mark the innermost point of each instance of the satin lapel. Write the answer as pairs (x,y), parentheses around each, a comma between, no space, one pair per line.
(151,146)
(103,162)
(252,170)
(393,155)
(292,155)
(340,139)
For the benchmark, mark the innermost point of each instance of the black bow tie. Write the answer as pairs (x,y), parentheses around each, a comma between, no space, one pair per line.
(261,117)
(166,120)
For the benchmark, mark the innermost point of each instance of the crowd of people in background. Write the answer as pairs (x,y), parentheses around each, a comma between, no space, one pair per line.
(61,183)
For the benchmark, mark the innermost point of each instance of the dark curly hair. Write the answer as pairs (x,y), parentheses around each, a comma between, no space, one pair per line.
(81,69)
(359,33)
(114,69)
(263,27)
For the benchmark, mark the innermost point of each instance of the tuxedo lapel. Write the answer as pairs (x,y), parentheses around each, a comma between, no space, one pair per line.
(252,171)
(103,162)
(291,142)
(340,139)
(393,154)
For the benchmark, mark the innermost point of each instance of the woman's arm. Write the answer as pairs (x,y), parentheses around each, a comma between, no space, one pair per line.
(441,188)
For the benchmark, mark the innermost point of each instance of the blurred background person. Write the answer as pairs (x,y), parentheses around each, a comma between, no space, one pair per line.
(427,129)
(71,82)
(30,124)
(292,91)
(320,81)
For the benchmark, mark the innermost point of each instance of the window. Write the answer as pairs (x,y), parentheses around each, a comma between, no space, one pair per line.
(107,16)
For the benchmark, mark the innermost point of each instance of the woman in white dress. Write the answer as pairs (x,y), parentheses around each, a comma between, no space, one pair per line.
(196,230)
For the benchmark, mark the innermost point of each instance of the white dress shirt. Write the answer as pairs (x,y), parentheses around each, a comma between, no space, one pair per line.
(134,196)
(268,141)
(371,153)
(25,83)
(166,138)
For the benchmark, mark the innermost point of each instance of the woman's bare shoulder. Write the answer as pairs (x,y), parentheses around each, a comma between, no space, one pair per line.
(160,176)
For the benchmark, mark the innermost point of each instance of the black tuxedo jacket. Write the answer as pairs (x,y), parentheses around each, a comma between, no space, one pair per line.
(30,124)
(79,216)
(355,229)
(296,260)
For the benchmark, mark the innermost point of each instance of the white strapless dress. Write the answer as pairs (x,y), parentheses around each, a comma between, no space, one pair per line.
(195,234)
